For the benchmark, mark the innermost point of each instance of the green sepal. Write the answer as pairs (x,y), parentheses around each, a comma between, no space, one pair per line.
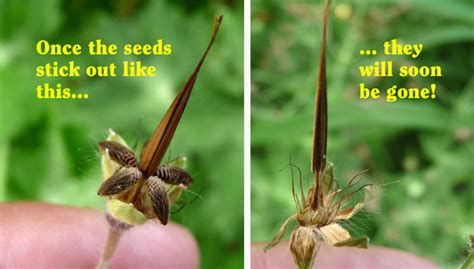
(125,212)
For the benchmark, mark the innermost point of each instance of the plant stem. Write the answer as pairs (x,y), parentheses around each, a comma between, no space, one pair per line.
(470,258)
(4,149)
(113,239)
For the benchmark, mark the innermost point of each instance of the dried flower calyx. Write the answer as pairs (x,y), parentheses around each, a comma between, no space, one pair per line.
(317,225)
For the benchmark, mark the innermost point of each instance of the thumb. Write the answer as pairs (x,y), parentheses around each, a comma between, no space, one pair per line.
(39,235)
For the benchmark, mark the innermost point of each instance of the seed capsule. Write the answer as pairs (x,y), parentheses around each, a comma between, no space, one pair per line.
(158,198)
(119,153)
(121,181)
(174,175)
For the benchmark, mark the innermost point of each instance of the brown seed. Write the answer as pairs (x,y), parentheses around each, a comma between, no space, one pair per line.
(119,153)
(121,181)
(174,175)
(158,198)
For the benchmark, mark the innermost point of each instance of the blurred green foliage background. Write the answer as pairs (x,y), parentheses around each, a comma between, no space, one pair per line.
(48,148)
(425,148)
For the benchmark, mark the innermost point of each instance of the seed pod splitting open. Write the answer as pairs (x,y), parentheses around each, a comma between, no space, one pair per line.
(319,214)
(144,184)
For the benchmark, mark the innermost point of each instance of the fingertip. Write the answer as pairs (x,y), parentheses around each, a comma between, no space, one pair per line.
(40,235)
(156,245)
(340,257)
